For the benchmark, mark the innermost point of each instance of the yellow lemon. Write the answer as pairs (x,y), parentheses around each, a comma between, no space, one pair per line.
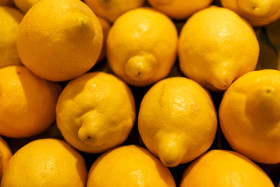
(141,46)
(257,12)
(9,24)
(59,40)
(45,163)
(177,120)
(27,102)
(112,9)
(222,168)
(129,166)
(179,9)
(5,155)
(250,116)
(216,46)
(105,29)
(25,5)
(95,112)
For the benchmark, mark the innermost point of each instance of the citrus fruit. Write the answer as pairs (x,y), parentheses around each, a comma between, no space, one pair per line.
(257,12)
(27,102)
(59,40)
(105,29)
(177,120)
(216,46)
(127,166)
(141,46)
(9,24)
(45,163)
(25,5)
(179,9)
(112,9)
(250,116)
(95,112)
(222,168)
(5,155)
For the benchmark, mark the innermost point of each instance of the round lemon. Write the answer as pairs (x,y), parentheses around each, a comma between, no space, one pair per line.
(141,46)
(59,40)
(27,102)
(177,120)
(222,168)
(250,116)
(129,166)
(95,112)
(216,46)
(45,163)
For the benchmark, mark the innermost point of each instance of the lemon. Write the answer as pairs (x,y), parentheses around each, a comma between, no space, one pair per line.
(27,102)
(250,116)
(9,24)
(45,163)
(257,12)
(95,112)
(59,40)
(129,166)
(222,168)
(179,9)
(112,9)
(141,46)
(216,46)
(177,120)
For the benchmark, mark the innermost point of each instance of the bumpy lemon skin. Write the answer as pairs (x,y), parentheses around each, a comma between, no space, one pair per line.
(223,168)
(216,46)
(177,120)
(141,46)
(95,112)
(71,27)
(250,118)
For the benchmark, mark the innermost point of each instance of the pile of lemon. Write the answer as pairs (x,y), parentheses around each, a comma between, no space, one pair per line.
(135,93)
